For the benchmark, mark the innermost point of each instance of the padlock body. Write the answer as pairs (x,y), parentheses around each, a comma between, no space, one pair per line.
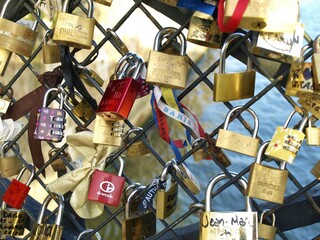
(190,180)
(200,155)
(118,99)
(266,231)
(104,2)
(50,124)
(51,53)
(5,56)
(4,105)
(137,149)
(13,222)
(144,90)
(95,77)
(228,225)
(266,16)
(172,3)
(237,142)
(277,146)
(315,171)
(267,183)
(167,70)
(10,166)
(316,70)
(166,201)
(139,227)
(106,188)
(46,232)
(17,38)
(83,110)
(73,31)
(108,132)
(16,193)
(58,165)
(282,47)
(311,105)
(233,86)
(313,136)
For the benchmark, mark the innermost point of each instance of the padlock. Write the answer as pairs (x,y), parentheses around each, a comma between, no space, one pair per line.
(17,191)
(137,148)
(107,188)
(10,165)
(227,225)
(233,86)
(315,171)
(118,44)
(120,94)
(86,73)
(201,153)
(312,134)
(186,176)
(80,108)
(50,121)
(47,231)
(286,142)
(86,231)
(128,189)
(15,37)
(166,198)
(266,182)
(237,142)
(172,3)
(282,47)
(108,132)
(266,16)
(12,221)
(5,56)
(72,30)
(265,231)
(316,63)
(311,105)
(5,101)
(137,225)
(300,81)
(104,2)
(166,69)
(58,164)
(50,51)
(203,30)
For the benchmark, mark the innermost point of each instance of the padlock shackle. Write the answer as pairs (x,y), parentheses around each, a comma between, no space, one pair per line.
(131,196)
(46,36)
(316,45)
(66,5)
(253,114)
(16,145)
(135,130)
(223,53)
(261,151)
(121,166)
(35,24)
(84,232)
(45,204)
(167,32)
(164,173)
(47,94)
(196,141)
(273,216)
(221,176)
(128,188)
(117,43)
(178,169)
(124,68)
(302,52)
(4,8)
(33,170)
(302,124)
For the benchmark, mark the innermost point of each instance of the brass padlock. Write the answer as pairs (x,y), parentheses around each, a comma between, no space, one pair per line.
(266,231)
(266,16)
(81,108)
(5,56)
(41,230)
(88,76)
(50,51)
(137,148)
(300,80)
(5,101)
(201,153)
(166,198)
(72,30)
(164,69)
(137,225)
(311,105)
(58,163)
(172,3)
(10,165)
(312,134)
(316,63)
(86,231)
(108,132)
(104,2)
(286,142)
(266,182)
(203,30)
(226,225)
(15,37)
(237,142)
(233,86)
(315,171)
(283,47)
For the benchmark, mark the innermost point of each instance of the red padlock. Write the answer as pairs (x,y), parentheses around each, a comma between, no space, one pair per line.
(107,188)
(120,94)
(17,191)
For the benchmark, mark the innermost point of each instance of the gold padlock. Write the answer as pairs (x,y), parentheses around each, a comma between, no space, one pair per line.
(15,37)
(72,30)
(266,182)
(50,51)
(10,165)
(312,134)
(311,105)
(203,30)
(164,69)
(80,107)
(5,56)
(237,142)
(283,47)
(88,76)
(104,2)
(201,153)
(58,164)
(316,63)
(138,148)
(108,132)
(266,15)
(233,86)
(315,171)
(172,3)
(265,231)
(5,101)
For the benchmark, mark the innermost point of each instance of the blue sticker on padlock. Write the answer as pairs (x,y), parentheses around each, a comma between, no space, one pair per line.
(197,5)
